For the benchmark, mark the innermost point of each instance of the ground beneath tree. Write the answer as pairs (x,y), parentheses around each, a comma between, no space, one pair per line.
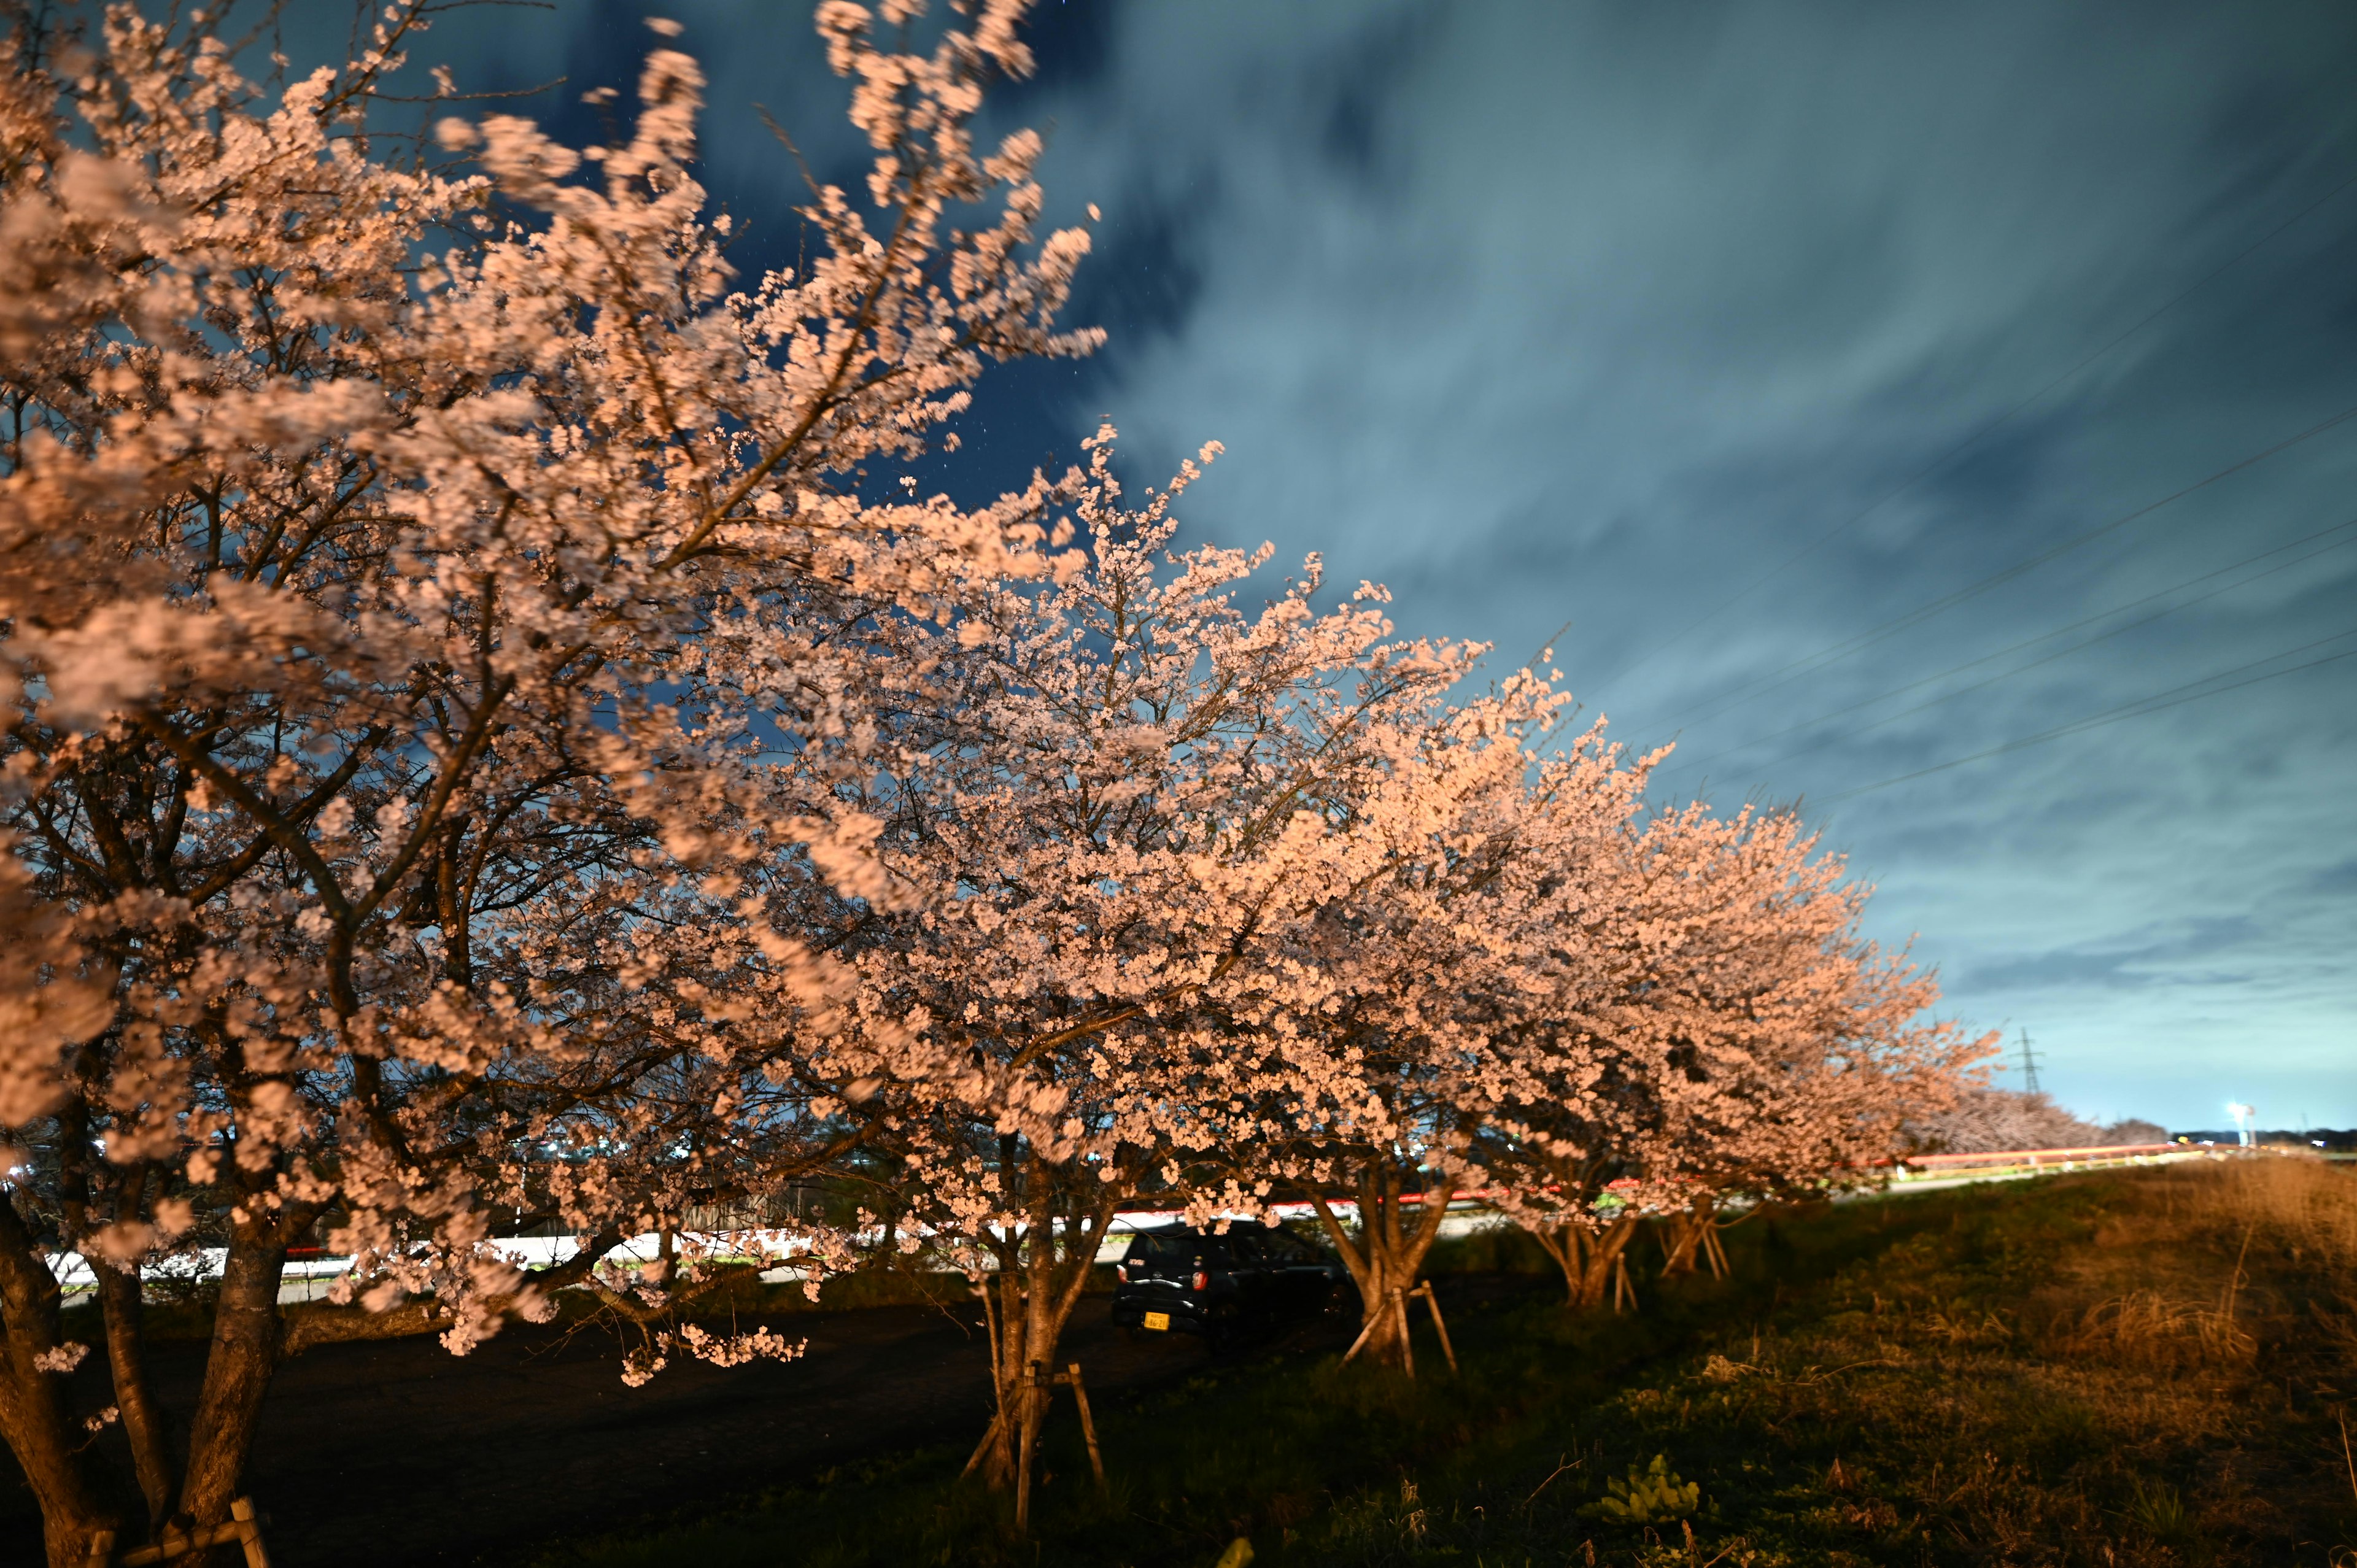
(397,1453)
(2141,1369)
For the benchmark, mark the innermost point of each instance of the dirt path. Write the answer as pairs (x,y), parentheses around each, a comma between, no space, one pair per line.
(392,1453)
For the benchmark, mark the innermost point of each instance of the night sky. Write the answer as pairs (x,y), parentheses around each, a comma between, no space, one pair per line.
(1864,385)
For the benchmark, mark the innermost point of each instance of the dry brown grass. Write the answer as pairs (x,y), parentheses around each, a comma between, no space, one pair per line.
(2146,1328)
(2305,1207)
(2198,1252)
(2136,1368)
(2150,1368)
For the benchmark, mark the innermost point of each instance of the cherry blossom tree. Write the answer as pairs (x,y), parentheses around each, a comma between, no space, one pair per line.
(410,575)
(2133,1129)
(1755,1044)
(1105,846)
(1988,1120)
(1438,974)
(1836,1049)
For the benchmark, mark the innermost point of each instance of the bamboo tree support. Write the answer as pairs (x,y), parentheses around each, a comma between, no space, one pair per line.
(1361,1342)
(1396,1310)
(249,1532)
(1071,1374)
(1023,1480)
(981,1448)
(242,1528)
(1715,1250)
(1622,1288)
(990,1333)
(1023,1460)
(1432,1304)
(1043,1386)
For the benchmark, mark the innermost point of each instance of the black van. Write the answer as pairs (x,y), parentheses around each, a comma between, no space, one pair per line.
(1182,1281)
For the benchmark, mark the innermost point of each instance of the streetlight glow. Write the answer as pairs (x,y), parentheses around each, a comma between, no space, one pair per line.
(2243,1116)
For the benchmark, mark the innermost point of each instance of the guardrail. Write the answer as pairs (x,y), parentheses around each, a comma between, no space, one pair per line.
(310,1271)
(2037,1162)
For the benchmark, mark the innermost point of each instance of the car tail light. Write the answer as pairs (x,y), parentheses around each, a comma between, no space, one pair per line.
(1202,1280)
(1121,1273)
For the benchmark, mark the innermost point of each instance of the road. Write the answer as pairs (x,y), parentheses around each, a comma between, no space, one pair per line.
(396,1453)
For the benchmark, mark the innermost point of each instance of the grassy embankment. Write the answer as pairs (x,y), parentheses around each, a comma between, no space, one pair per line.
(2140,1368)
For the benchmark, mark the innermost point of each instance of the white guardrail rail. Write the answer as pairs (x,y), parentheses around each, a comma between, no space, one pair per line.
(310,1278)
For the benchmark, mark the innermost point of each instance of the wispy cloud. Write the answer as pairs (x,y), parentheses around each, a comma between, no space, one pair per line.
(1672,321)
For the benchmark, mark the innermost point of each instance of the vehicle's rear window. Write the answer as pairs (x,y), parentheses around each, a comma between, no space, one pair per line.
(1157,1246)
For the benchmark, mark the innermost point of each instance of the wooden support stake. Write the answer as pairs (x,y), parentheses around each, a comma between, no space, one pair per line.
(170,1545)
(1408,1351)
(1088,1422)
(1620,1285)
(249,1532)
(243,1528)
(1360,1343)
(981,1447)
(1432,1304)
(1023,1459)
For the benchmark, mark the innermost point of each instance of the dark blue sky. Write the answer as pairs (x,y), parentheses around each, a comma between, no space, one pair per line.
(1806,362)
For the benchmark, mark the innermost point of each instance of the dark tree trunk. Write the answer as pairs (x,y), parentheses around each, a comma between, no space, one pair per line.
(1386,1257)
(1039,1281)
(33,1418)
(120,1303)
(1683,1237)
(237,1372)
(1605,1250)
(1564,1244)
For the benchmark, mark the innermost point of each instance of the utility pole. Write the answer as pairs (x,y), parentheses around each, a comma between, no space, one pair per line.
(2028,1063)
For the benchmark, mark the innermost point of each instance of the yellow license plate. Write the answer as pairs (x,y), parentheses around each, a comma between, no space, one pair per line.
(1158,1320)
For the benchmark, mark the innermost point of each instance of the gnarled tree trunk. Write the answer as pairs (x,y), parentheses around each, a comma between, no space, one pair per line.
(121,1303)
(1589,1258)
(246,1348)
(1607,1258)
(1041,1274)
(50,1443)
(1684,1239)
(1385,1256)
(33,1416)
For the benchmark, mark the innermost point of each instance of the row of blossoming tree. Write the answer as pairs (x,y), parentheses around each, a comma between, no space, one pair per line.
(496,730)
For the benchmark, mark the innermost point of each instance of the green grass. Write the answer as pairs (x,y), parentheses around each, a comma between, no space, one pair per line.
(2052,1373)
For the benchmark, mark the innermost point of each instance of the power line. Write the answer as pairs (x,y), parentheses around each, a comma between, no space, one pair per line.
(2155,704)
(2032,642)
(1810,664)
(1952,453)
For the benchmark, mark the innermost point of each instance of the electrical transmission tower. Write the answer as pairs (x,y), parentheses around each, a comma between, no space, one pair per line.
(2028,1063)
